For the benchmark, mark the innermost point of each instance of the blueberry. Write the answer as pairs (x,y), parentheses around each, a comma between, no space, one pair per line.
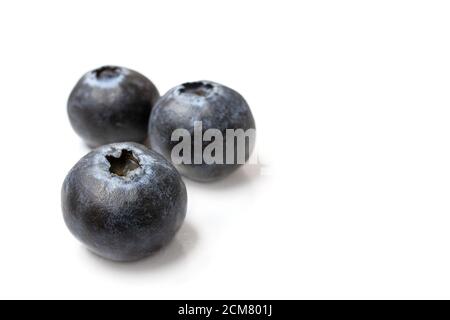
(123,201)
(211,105)
(111,104)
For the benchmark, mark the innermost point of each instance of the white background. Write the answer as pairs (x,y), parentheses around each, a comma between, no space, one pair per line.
(352,106)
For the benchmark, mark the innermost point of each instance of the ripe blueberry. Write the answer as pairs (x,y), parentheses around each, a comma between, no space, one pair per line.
(123,201)
(211,105)
(111,104)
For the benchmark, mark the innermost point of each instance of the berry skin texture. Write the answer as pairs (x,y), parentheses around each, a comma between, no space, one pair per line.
(216,106)
(111,104)
(123,201)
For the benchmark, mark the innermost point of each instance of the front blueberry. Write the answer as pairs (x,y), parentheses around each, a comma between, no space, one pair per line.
(111,104)
(211,114)
(123,201)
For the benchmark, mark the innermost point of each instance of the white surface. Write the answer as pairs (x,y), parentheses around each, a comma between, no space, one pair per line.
(352,105)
